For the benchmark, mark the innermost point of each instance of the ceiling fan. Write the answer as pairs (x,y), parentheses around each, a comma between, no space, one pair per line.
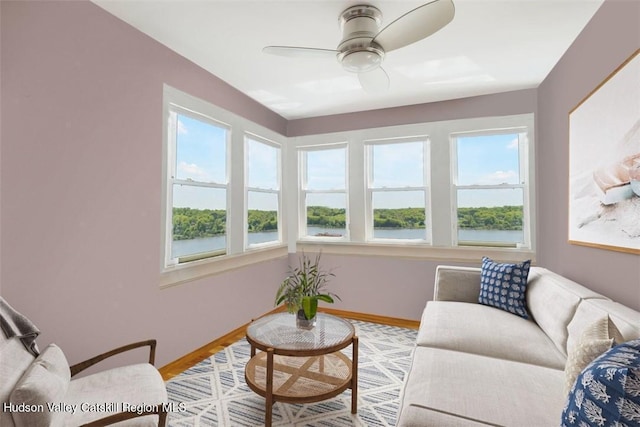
(364,45)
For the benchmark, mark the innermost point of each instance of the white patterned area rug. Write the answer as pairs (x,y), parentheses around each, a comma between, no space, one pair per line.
(214,392)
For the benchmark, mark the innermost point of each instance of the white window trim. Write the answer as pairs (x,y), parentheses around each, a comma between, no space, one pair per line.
(440,185)
(291,203)
(303,191)
(523,154)
(172,180)
(425,188)
(277,191)
(237,255)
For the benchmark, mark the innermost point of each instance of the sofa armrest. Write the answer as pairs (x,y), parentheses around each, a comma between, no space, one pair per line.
(455,283)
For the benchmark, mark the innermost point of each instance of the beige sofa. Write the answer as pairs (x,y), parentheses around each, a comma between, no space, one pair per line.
(476,365)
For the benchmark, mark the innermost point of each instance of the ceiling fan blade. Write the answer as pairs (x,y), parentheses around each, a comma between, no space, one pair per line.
(415,25)
(298,52)
(374,81)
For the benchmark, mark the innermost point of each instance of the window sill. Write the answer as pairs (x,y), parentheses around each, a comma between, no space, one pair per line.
(194,270)
(420,251)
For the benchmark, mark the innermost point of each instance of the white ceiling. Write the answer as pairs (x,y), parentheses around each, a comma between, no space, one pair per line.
(490,46)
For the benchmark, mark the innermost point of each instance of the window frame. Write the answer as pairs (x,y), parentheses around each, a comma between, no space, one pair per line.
(278,191)
(303,191)
(175,111)
(370,189)
(237,255)
(292,214)
(441,248)
(524,185)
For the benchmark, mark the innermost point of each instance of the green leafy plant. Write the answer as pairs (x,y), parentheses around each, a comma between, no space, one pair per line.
(304,286)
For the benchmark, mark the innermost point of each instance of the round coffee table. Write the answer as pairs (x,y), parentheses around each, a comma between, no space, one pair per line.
(299,365)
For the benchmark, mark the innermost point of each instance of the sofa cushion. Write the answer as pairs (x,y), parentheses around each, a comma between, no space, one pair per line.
(552,301)
(596,339)
(44,382)
(626,320)
(607,392)
(504,286)
(480,329)
(421,416)
(483,389)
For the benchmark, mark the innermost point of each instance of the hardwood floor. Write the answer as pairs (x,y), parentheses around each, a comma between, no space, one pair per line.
(182,364)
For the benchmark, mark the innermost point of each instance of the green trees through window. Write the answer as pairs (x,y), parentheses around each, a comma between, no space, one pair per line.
(191,223)
(493,218)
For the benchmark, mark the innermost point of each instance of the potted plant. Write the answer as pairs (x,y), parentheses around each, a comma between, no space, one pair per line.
(303,288)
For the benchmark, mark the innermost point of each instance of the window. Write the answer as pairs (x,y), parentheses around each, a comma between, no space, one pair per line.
(454,189)
(397,193)
(323,192)
(263,191)
(221,191)
(197,187)
(490,188)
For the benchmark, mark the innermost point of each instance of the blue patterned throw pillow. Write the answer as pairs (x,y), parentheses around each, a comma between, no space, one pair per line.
(607,391)
(503,286)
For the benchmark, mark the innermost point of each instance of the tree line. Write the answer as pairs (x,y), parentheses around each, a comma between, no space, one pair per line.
(496,218)
(484,218)
(191,223)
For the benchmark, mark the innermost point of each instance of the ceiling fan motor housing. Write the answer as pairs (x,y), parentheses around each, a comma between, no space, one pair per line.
(359,26)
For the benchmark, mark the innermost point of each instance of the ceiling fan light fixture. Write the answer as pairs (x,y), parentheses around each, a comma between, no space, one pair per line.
(361,60)
(363,45)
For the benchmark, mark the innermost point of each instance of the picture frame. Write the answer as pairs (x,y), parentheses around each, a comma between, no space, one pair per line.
(604,163)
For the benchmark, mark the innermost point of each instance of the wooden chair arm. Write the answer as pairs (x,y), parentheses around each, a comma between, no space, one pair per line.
(122,416)
(79,367)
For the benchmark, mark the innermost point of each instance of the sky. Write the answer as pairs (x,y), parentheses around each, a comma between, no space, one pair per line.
(200,156)
(488,160)
(482,160)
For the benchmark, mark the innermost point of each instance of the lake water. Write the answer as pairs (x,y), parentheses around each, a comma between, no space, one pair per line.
(209,244)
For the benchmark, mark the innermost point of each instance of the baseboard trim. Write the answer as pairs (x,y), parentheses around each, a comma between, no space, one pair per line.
(373,318)
(185,362)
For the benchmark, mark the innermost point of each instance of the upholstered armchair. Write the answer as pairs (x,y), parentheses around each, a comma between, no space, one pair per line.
(43,390)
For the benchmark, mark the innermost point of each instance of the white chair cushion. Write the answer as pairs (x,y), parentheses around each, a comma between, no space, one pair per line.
(14,361)
(45,382)
(122,389)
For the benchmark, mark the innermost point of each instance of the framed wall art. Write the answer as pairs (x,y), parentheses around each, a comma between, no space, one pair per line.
(604,163)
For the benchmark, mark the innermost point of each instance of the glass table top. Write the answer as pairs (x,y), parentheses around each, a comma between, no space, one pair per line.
(279,331)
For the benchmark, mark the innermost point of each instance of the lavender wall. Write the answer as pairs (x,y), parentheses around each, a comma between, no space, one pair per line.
(81,185)
(608,40)
(80,182)
(0,153)
(400,287)
(499,104)
(386,286)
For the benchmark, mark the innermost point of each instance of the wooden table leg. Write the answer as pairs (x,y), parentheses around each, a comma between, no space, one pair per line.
(354,376)
(269,389)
